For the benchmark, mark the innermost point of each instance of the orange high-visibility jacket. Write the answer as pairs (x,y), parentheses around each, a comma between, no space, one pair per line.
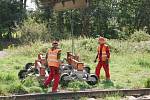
(104,55)
(52,57)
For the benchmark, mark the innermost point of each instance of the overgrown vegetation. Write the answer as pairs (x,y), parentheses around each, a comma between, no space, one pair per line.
(129,65)
(140,36)
(31,31)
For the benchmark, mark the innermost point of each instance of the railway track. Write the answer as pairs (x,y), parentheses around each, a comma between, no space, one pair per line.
(76,95)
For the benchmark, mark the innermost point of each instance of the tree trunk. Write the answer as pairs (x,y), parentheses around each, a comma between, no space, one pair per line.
(85,23)
(21,4)
(24,4)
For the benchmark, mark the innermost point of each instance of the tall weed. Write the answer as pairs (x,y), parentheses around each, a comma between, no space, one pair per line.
(139,36)
(17,88)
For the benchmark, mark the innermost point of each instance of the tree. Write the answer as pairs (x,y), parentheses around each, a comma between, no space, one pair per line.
(143,15)
(11,13)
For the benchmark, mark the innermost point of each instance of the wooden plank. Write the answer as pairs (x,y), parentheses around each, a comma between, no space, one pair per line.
(70,5)
(57,5)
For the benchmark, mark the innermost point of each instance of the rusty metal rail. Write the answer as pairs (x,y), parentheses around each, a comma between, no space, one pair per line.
(76,95)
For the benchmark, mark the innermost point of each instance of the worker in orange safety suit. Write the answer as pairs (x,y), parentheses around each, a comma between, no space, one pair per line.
(53,60)
(103,57)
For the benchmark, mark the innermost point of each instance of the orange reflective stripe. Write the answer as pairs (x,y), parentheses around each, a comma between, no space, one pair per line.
(104,55)
(52,58)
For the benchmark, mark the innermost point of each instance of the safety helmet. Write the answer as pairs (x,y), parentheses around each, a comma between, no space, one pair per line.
(55,42)
(102,40)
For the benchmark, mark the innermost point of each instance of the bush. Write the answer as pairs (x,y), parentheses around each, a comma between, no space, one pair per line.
(147,83)
(140,36)
(31,31)
(116,34)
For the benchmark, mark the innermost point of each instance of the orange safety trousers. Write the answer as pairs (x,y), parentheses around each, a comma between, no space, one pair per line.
(106,69)
(54,74)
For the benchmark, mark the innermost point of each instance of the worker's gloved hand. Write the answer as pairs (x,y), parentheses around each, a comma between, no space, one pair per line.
(95,61)
(46,65)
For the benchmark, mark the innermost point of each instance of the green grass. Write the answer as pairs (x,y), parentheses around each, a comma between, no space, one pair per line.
(77,85)
(147,83)
(129,65)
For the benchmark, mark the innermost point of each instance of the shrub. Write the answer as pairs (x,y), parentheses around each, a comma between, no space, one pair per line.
(116,34)
(147,83)
(140,36)
(32,31)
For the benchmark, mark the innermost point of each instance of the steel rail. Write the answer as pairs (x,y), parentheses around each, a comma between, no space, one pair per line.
(78,94)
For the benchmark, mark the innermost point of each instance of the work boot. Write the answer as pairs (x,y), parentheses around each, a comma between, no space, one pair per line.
(108,80)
